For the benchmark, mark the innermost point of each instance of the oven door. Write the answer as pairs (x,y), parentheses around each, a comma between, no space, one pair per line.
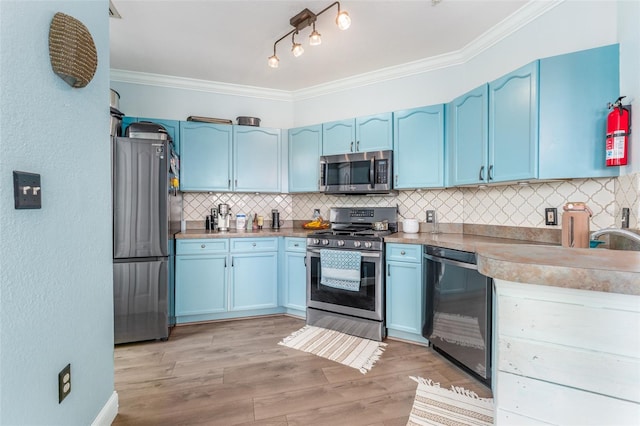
(366,303)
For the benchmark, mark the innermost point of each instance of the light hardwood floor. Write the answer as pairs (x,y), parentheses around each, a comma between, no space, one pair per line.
(234,372)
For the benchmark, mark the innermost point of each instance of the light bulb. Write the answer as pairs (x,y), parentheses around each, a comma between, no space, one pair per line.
(314,38)
(273,61)
(297,49)
(343,20)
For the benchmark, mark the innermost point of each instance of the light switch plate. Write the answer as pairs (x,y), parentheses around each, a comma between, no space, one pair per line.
(26,190)
(550,216)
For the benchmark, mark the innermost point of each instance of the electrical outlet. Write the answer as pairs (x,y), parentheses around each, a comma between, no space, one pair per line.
(550,216)
(431,216)
(64,383)
(625,217)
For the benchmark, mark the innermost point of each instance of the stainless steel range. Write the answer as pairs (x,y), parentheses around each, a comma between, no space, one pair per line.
(346,271)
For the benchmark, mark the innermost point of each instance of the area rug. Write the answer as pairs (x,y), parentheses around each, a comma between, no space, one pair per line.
(352,351)
(457,406)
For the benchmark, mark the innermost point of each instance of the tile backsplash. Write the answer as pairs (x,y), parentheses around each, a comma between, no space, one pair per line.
(510,205)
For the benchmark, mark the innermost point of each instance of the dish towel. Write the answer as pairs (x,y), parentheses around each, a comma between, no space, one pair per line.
(340,269)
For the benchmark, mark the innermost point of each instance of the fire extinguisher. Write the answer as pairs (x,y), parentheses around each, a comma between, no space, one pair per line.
(618,131)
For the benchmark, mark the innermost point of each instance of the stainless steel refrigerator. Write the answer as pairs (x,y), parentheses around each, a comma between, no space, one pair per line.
(147,208)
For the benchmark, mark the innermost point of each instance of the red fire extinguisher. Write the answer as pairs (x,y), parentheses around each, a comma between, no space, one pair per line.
(618,131)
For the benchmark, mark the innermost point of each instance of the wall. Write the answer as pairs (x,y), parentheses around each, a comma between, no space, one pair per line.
(55,263)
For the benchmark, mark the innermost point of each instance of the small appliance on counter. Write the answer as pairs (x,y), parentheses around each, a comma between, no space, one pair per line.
(224,217)
(575,225)
(276,223)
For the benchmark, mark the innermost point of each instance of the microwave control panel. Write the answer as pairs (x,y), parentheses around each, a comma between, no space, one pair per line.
(382,167)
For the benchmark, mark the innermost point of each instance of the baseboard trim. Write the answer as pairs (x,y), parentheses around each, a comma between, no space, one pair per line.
(108,414)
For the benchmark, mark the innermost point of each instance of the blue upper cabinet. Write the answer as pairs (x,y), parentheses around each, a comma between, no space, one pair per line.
(370,133)
(468,137)
(338,137)
(256,159)
(513,126)
(205,156)
(574,91)
(374,133)
(305,146)
(418,139)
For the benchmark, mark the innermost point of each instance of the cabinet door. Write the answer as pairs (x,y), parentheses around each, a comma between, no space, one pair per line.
(295,281)
(513,126)
(374,132)
(305,146)
(201,284)
(256,159)
(404,297)
(205,156)
(338,137)
(173,129)
(418,138)
(574,91)
(254,281)
(468,137)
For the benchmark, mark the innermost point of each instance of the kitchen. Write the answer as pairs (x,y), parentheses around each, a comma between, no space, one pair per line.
(444,200)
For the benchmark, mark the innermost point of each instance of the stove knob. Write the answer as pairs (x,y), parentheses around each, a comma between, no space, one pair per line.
(325,242)
(367,244)
(340,243)
(356,243)
(316,241)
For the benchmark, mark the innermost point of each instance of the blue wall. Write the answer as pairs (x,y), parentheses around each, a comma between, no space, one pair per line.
(56,302)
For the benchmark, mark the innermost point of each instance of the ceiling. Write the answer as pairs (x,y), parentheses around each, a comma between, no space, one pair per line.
(230,41)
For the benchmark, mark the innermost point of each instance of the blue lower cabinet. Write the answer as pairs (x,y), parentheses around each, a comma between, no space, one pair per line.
(201,284)
(254,281)
(404,292)
(293,289)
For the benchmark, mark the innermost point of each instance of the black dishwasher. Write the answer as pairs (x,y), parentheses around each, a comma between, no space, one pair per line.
(457,310)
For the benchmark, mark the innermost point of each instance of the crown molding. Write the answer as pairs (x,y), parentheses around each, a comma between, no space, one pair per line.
(149,79)
(523,16)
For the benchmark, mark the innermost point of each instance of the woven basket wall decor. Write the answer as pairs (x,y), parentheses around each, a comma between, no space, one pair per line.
(72,50)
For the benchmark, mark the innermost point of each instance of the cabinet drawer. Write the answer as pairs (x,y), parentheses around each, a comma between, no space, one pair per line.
(253,244)
(295,244)
(204,246)
(404,252)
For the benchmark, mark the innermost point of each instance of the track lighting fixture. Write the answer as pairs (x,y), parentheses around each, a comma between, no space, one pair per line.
(302,20)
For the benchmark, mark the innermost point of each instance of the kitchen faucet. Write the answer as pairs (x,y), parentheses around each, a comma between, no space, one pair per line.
(615,231)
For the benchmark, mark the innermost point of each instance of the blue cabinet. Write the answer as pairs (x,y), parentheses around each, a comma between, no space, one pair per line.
(201,278)
(172,127)
(254,274)
(294,276)
(305,147)
(205,156)
(418,146)
(574,91)
(404,292)
(362,134)
(256,159)
(468,136)
(513,126)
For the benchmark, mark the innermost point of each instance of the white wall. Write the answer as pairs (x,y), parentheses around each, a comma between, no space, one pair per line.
(571,26)
(56,288)
(629,36)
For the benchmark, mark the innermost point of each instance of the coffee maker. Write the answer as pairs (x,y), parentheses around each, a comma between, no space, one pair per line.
(224,215)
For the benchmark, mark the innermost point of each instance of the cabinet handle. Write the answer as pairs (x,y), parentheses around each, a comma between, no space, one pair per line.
(402,253)
(351,147)
(481,176)
(388,270)
(358,146)
(490,174)
(229,184)
(236,183)
(203,245)
(254,244)
(225,261)
(296,245)
(305,261)
(232,261)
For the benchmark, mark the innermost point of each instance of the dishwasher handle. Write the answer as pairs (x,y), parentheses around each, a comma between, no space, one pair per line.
(446,261)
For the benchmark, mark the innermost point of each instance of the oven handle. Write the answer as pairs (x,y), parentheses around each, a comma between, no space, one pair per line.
(451,262)
(364,254)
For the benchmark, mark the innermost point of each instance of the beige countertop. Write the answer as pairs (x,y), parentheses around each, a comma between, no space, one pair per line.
(611,271)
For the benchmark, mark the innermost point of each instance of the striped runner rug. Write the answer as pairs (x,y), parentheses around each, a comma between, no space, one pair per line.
(456,406)
(351,351)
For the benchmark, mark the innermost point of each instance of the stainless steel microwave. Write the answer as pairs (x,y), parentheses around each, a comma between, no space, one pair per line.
(357,173)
